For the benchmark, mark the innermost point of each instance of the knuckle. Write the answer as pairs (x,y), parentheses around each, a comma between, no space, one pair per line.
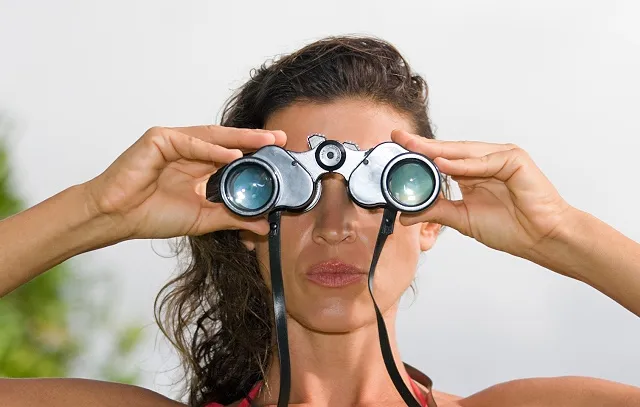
(520,156)
(520,152)
(511,146)
(214,128)
(190,145)
(155,134)
(153,131)
(247,132)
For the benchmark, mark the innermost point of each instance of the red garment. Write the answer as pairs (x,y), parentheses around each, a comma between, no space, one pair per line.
(246,402)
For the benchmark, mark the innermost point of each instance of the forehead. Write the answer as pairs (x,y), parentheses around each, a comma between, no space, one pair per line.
(364,122)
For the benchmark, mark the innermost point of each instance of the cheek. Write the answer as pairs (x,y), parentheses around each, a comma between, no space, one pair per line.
(406,238)
(295,232)
(262,254)
(400,255)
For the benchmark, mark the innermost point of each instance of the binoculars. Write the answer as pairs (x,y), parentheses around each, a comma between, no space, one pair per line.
(273,178)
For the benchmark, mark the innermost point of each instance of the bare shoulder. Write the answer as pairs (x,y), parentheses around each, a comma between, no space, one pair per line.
(59,392)
(566,391)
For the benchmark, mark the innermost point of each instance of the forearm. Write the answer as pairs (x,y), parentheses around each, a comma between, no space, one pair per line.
(589,250)
(37,239)
(567,391)
(54,392)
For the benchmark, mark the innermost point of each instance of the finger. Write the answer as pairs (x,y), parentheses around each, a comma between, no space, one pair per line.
(231,137)
(444,212)
(401,137)
(174,146)
(502,165)
(281,137)
(447,149)
(215,216)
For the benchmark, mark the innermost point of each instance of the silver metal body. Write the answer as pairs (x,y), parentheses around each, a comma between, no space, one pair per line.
(297,174)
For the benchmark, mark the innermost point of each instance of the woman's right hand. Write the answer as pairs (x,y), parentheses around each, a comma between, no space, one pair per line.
(156,188)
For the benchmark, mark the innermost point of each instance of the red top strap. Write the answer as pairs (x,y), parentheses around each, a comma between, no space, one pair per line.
(246,402)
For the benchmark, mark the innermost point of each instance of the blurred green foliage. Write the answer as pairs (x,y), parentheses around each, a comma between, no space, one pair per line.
(47,326)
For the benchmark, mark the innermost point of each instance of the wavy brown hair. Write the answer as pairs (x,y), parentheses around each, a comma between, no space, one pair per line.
(218,312)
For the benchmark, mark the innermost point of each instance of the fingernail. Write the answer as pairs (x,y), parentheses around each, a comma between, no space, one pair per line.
(272,139)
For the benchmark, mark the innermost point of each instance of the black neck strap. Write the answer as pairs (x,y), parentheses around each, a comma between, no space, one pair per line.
(280,315)
(279,310)
(386,228)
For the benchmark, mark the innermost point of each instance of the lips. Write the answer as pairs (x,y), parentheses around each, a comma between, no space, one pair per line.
(335,273)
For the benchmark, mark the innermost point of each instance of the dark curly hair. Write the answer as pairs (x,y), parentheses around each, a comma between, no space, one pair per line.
(218,312)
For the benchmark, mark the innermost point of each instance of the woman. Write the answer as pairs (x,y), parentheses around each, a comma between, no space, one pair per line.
(357,89)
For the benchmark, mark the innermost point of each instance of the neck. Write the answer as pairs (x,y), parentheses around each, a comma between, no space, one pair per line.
(343,369)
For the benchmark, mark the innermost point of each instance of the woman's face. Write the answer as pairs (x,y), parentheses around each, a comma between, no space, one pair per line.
(337,236)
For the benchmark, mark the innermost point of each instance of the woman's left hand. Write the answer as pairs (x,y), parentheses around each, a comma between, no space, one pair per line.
(507,202)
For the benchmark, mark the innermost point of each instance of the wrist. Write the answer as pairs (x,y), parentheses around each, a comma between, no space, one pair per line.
(103,229)
(591,251)
(565,250)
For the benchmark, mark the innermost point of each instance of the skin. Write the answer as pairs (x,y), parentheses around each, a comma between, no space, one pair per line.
(333,332)
(335,355)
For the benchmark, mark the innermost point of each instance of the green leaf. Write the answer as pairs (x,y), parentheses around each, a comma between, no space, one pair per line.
(36,338)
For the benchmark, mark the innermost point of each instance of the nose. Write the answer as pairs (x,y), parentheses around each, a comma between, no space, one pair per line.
(335,213)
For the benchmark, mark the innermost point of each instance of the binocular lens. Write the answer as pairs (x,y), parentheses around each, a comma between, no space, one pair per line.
(249,187)
(411,182)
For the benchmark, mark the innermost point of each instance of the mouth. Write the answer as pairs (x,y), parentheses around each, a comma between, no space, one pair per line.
(335,274)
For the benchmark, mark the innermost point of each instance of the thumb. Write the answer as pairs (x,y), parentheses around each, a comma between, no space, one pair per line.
(214,217)
(444,212)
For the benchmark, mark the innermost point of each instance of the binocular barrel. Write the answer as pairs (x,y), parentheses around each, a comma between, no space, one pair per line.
(274,178)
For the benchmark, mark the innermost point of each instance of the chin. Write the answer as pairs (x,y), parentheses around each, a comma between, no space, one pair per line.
(336,317)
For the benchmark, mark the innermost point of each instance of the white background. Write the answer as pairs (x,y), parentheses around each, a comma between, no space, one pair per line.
(83,81)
